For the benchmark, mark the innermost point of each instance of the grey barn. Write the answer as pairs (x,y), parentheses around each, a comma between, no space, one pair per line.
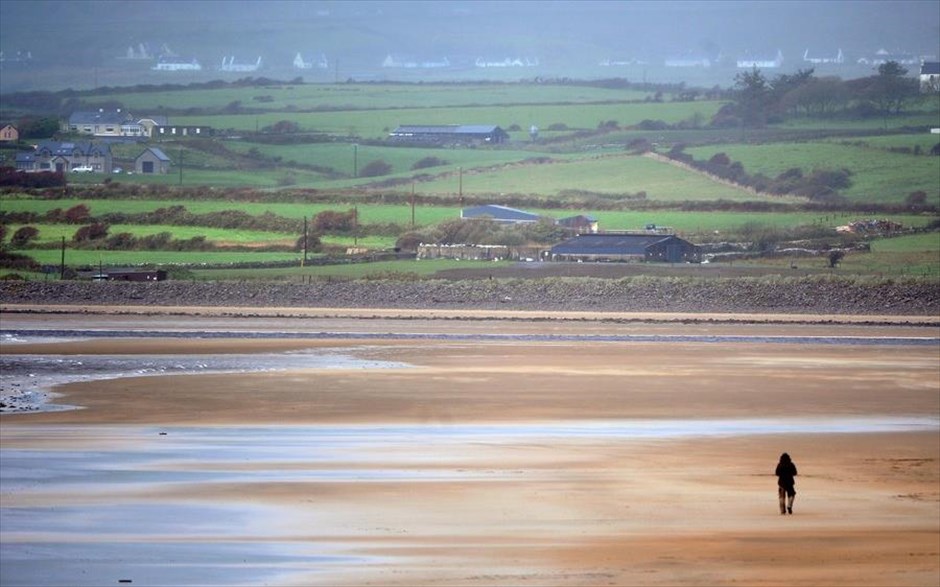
(626,247)
(449,134)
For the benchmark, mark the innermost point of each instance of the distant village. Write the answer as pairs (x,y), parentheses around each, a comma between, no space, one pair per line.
(162,58)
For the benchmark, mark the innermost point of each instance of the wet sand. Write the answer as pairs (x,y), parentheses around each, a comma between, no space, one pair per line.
(484,462)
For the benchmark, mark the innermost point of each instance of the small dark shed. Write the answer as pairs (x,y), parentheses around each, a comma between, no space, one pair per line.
(626,247)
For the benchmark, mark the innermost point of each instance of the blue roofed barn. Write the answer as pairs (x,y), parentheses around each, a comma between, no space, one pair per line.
(500,214)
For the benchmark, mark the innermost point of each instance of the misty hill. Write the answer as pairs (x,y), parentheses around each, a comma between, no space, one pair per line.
(81,43)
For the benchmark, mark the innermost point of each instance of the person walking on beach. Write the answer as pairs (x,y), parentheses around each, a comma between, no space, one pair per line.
(786,471)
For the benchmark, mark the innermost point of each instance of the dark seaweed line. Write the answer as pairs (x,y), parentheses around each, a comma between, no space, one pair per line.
(828,340)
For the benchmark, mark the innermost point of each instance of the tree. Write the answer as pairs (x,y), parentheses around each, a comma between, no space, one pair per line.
(33,127)
(752,96)
(23,235)
(890,91)
(817,97)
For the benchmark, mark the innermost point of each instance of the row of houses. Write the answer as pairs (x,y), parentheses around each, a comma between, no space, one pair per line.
(90,156)
(772,61)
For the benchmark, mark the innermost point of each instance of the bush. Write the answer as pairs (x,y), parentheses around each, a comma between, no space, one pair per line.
(375,169)
(330,221)
(77,214)
(91,232)
(428,162)
(23,236)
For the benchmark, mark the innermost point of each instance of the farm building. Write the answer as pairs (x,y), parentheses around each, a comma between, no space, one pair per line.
(124,274)
(176,130)
(626,247)
(464,252)
(449,134)
(152,160)
(501,214)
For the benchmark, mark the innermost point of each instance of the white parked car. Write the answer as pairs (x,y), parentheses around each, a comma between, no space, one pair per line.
(83,169)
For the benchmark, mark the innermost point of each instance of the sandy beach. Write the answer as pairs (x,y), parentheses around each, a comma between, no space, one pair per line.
(348,449)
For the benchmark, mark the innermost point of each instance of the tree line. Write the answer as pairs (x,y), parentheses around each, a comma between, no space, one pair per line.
(757,100)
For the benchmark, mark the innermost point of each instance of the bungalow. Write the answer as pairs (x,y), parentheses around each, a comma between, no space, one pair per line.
(761,62)
(882,56)
(63,157)
(317,61)
(450,134)
(229,64)
(501,214)
(177,66)
(838,58)
(152,160)
(626,247)
(9,133)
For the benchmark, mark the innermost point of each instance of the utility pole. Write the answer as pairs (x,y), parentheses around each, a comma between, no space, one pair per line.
(355,226)
(355,160)
(412,205)
(181,166)
(304,261)
(460,185)
(62,262)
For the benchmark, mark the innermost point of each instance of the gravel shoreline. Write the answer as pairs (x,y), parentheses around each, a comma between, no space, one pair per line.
(642,294)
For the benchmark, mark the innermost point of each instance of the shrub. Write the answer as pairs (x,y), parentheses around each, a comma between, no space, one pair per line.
(77,214)
(558,126)
(375,169)
(330,221)
(428,162)
(91,232)
(720,159)
(23,235)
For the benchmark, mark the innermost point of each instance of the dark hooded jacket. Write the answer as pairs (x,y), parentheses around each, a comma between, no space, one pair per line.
(786,471)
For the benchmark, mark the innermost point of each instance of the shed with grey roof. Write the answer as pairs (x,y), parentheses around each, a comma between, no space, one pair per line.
(152,160)
(626,247)
(446,134)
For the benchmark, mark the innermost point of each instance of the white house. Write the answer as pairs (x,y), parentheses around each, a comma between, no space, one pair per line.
(319,62)
(177,66)
(930,76)
(229,64)
(838,59)
(761,62)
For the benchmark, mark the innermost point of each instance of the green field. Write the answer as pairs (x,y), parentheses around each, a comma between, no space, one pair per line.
(877,176)
(374,97)
(80,258)
(376,124)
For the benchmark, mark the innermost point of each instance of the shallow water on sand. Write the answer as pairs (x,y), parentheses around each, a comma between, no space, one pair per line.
(95,505)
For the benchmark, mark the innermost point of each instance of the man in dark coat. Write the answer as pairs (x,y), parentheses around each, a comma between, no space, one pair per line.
(786,471)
